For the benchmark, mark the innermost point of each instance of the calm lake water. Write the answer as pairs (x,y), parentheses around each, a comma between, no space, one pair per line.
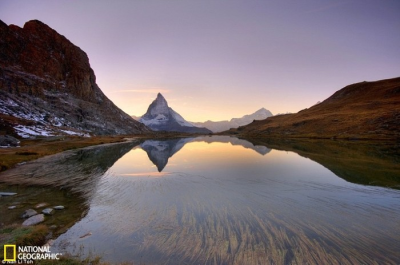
(220,200)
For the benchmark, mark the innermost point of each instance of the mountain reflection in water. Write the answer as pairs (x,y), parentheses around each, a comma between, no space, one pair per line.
(159,151)
(215,202)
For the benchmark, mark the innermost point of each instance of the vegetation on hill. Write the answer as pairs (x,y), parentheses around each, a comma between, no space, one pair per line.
(366,110)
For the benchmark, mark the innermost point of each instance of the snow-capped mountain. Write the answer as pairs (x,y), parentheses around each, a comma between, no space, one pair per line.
(159,151)
(219,126)
(160,117)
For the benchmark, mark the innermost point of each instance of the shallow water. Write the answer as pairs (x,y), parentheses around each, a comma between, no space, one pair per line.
(221,200)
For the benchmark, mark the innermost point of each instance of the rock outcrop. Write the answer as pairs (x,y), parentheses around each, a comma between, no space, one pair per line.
(48,81)
(8,141)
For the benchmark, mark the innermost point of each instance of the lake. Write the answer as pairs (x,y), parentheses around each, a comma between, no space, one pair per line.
(223,200)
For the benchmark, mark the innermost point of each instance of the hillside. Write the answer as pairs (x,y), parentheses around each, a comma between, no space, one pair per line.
(47,87)
(366,110)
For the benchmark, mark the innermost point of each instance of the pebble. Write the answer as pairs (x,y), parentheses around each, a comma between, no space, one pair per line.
(7,193)
(40,205)
(59,207)
(48,211)
(11,207)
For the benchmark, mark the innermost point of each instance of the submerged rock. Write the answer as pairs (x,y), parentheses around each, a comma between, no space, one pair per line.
(40,205)
(86,235)
(28,213)
(34,220)
(59,207)
(48,211)
(12,207)
(7,193)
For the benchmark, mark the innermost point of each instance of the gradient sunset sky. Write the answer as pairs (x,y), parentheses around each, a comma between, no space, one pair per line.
(216,59)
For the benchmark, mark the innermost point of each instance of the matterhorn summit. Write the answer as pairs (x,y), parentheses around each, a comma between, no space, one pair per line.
(160,117)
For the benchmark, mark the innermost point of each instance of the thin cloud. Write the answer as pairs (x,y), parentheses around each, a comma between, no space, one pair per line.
(146,174)
(143,91)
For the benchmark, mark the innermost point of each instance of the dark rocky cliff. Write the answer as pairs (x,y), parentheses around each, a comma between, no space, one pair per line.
(47,79)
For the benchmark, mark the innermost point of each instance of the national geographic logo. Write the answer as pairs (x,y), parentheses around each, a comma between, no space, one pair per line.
(27,254)
(10,253)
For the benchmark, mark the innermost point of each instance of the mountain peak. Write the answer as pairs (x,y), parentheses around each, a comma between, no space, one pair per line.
(263,111)
(161,117)
(157,107)
(36,24)
(160,98)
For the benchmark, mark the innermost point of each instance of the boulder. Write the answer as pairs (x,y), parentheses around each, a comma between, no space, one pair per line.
(34,220)
(8,141)
(29,213)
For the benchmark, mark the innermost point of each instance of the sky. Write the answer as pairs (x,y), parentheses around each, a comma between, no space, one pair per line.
(220,59)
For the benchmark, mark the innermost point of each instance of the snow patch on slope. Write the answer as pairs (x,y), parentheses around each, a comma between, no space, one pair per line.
(28,131)
(158,120)
(37,121)
(180,119)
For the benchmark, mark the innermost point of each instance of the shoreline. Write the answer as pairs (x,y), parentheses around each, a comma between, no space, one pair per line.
(32,149)
(303,146)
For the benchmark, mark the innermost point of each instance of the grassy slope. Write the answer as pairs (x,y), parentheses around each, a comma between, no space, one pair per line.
(366,110)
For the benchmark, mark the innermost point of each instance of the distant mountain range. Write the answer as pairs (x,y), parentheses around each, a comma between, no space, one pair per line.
(366,110)
(219,126)
(47,87)
(160,117)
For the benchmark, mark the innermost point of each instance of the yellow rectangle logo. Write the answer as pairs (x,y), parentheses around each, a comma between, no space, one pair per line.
(14,253)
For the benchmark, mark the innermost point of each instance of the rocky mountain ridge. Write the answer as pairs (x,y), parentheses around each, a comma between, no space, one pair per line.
(160,117)
(47,87)
(219,126)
